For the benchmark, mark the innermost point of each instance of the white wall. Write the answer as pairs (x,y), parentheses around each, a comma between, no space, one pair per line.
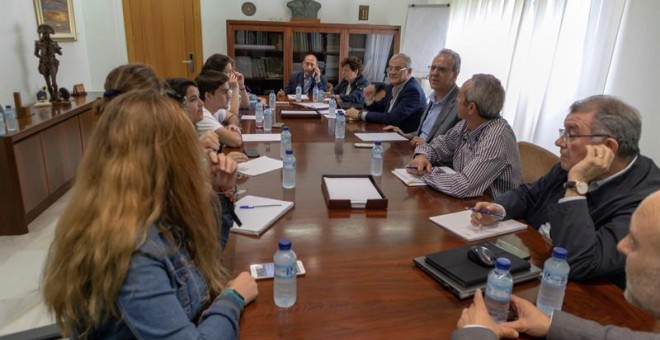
(18,65)
(635,72)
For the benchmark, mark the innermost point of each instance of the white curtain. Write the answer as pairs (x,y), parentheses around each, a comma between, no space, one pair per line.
(375,56)
(547,53)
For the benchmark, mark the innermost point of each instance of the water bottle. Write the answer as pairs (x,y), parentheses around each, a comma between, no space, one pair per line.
(316,94)
(268,120)
(271,100)
(10,119)
(298,93)
(340,126)
(289,170)
(498,290)
(2,121)
(259,115)
(332,108)
(377,159)
(285,139)
(553,282)
(284,292)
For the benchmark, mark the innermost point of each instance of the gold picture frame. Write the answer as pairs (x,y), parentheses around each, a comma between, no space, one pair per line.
(59,15)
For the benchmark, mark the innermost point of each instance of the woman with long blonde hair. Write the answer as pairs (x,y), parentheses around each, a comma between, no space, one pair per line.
(137,253)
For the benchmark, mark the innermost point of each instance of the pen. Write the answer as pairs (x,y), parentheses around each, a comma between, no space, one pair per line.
(411,167)
(486,212)
(259,206)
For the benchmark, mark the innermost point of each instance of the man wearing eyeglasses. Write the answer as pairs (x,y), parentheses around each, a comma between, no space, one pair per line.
(401,104)
(585,202)
(441,112)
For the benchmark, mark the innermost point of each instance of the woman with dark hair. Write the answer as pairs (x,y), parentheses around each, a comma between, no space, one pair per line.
(222,63)
(350,89)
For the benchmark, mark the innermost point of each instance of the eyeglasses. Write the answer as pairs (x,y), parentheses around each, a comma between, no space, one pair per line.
(441,69)
(396,69)
(567,137)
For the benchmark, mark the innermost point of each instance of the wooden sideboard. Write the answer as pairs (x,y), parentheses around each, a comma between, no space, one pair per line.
(39,160)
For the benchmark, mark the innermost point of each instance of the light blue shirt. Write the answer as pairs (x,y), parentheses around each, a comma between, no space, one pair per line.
(434,112)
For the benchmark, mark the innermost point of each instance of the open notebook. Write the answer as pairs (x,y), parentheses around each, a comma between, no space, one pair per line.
(459,224)
(258,213)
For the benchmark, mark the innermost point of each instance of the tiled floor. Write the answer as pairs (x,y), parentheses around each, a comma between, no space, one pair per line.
(21,262)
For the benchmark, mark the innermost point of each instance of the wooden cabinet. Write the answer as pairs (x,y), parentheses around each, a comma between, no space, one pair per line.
(38,162)
(268,52)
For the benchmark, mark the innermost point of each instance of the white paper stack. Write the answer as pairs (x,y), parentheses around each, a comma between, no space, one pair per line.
(459,224)
(409,179)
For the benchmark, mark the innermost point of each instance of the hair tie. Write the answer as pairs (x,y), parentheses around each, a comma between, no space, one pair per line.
(110,93)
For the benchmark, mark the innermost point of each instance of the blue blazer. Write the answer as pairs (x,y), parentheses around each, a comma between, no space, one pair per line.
(299,78)
(406,111)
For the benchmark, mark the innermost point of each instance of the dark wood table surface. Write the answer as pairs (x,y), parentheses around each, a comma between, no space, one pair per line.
(361,282)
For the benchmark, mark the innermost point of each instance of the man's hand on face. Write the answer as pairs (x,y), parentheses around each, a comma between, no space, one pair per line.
(596,163)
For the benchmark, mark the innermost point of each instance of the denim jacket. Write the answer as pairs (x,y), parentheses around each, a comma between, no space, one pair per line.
(164,296)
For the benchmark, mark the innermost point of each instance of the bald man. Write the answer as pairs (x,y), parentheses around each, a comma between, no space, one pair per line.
(640,247)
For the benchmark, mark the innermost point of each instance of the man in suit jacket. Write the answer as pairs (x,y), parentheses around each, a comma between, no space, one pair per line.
(584,203)
(441,112)
(309,78)
(640,247)
(401,104)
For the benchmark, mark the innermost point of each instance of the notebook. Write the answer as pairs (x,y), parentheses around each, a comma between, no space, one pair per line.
(256,216)
(462,277)
(459,224)
(409,179)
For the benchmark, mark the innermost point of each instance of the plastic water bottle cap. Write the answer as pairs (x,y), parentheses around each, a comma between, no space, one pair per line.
(341,113)
(378,142)
(285,243)
(503,263)
(289,152)
(285,128)
(559,253)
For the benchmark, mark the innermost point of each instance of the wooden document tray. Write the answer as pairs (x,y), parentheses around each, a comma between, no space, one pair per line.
(372,203)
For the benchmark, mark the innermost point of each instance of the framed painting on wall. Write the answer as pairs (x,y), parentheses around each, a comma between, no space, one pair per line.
(59,15)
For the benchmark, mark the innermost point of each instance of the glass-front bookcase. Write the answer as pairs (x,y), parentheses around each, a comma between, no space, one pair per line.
(268,52)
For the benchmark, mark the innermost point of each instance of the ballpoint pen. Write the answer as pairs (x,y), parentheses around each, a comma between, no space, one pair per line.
(486,212)
(259,206)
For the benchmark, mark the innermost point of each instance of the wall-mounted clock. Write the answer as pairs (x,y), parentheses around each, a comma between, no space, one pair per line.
(248,8)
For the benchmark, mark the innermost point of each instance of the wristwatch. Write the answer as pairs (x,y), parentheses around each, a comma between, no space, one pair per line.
(580,187)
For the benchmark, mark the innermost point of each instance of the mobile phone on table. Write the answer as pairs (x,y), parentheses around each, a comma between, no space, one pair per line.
(266,270)
(251,153)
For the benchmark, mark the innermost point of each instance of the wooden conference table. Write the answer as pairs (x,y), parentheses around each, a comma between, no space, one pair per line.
(361,282)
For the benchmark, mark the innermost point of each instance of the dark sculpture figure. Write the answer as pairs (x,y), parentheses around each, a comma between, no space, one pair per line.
(304,8)
(45,49)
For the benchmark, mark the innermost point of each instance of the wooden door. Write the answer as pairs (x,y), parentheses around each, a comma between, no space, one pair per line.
(166,34)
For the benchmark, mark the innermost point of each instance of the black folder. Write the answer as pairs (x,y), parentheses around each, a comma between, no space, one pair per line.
(455,264)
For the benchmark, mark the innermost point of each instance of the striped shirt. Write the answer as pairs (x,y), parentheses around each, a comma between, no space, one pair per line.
(486,160)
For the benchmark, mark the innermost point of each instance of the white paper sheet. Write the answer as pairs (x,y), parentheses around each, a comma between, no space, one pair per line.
(293,97)
(358,190)
(313,105)
(459,224)
(248,117)
(256,220)
(261,137)
(259,166)
(298,112)
(381,136)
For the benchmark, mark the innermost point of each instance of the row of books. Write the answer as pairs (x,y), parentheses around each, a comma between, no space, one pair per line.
(264,67)
(260,38)
(316,42)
